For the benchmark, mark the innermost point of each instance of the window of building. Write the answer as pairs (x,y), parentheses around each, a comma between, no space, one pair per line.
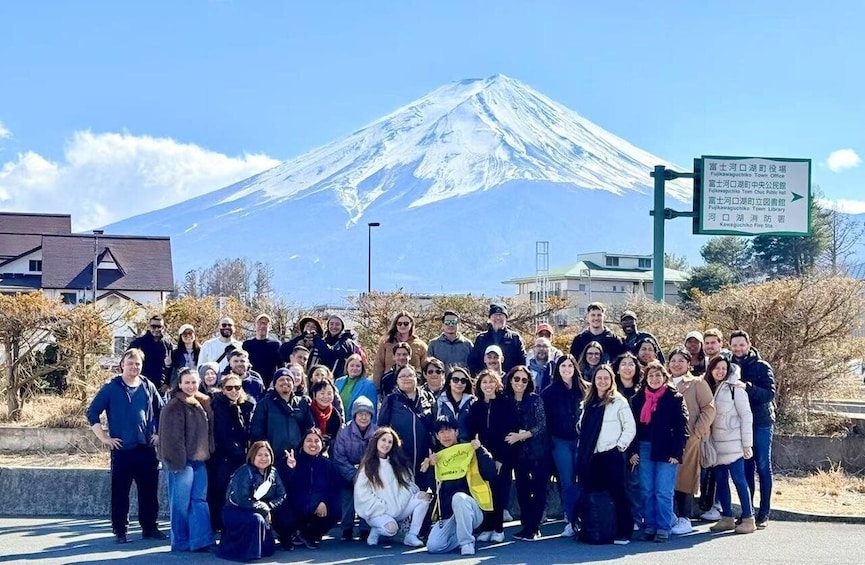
(69,297)
(612,261)
(582,287)
(645,263)
(35,266)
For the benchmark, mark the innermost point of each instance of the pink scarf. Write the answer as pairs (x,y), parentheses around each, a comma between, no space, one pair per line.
(652,398)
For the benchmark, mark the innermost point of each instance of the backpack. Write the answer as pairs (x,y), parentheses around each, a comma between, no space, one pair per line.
(596,513)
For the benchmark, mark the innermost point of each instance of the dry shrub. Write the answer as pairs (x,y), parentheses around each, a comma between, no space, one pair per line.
(668,323)
(804,328)
(376,311)
(50,411)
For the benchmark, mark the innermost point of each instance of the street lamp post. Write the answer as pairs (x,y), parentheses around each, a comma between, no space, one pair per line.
(96,234)
(369,227)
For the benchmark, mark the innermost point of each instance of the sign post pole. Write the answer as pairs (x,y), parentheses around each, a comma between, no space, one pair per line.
(658,261)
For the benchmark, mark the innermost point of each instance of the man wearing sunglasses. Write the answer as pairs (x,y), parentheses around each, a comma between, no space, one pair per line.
(452,348)
(217,349)
(157,348)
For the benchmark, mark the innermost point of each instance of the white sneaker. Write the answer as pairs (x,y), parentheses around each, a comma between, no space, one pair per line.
(568,532)
(508,517)
(497,537)
(372,539)
(621,541)
(485,536)
(682,526)
(712,515)
(467,549)
(412,540)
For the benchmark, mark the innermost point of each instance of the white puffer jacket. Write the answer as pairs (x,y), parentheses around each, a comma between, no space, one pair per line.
(618,428)
(732,429)
(390,500)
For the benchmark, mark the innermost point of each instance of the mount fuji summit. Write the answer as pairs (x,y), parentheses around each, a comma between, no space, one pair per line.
(464,181)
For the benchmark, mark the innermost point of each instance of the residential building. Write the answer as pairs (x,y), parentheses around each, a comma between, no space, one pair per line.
(39,253)
(602,276)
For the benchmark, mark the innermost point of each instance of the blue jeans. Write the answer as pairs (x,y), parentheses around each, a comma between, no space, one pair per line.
(736,469)
(657,481)
(564,458)
(762,464)
(190,514)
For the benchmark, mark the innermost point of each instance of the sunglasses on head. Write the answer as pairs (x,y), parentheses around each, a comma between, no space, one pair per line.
(434,371)
(451,322)
(232,387)
(523,380)
(403,323)
(460,380)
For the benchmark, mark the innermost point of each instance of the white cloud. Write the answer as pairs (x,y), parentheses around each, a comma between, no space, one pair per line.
(4,131)
(843,159)
(107,177)
(845,206)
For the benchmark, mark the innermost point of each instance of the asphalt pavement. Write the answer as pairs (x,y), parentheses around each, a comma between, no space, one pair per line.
(71,540)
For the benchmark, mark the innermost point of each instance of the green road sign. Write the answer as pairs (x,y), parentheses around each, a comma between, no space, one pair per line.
(754,196)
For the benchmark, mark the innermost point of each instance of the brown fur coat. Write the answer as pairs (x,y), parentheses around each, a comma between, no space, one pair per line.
(185,430)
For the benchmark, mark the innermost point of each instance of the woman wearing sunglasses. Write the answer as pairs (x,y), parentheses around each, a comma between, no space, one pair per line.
(532,465)
(232,413)
(401,331)
(456,401)
(433,376)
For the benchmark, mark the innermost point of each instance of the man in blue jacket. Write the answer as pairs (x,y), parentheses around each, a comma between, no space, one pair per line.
(498,333)
(132,405)
(758,380)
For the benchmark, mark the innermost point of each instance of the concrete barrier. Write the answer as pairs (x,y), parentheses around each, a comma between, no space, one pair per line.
(810,453)
(42,491)
(50,440)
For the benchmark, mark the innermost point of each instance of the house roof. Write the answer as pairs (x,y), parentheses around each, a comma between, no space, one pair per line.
(595,271)
(21,223)
(67,262)
(14,245)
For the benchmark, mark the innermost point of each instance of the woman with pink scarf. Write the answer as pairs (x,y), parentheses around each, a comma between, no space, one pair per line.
(662,430)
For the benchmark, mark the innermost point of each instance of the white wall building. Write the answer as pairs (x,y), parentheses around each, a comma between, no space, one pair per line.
(605,277)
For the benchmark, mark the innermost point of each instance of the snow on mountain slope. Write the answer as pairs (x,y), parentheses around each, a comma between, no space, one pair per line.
(491,161)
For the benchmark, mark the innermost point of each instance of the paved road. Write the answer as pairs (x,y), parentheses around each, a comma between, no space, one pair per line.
(69,540)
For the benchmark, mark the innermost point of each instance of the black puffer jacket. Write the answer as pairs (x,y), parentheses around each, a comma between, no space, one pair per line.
(281,423)
(231,424)
(759,381)
(510,342)
(563,408)
(339,348)
(493,421)
(413,421)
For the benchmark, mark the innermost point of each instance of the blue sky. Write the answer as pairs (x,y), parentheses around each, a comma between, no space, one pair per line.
(178,98)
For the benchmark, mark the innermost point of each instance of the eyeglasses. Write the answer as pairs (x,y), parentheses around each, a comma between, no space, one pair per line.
(227,325)
(460,380)
(406,376)
(156,326)
(523,380)
(406,324)
(451,322)
(434,372)
(232,387)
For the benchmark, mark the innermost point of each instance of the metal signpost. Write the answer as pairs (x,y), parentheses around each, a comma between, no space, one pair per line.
(736,196)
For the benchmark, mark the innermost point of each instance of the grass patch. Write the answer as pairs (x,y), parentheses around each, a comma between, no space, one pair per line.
(49,411)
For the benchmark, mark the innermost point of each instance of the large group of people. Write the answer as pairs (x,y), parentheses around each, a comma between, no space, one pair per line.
(269,444)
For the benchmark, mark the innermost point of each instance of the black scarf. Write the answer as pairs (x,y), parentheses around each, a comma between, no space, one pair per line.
(590,430)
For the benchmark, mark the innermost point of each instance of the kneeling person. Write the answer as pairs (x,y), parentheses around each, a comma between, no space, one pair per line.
(462,481)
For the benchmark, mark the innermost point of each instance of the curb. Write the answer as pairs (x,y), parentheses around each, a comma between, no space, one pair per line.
(83,492)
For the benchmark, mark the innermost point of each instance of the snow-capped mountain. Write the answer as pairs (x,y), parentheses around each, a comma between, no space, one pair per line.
(463,180)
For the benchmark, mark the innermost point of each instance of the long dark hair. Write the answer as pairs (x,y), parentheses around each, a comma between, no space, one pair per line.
(455,369)
(509,386)
(710,380)
(577,378)
(637,369)
(391,333)
(369,463)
